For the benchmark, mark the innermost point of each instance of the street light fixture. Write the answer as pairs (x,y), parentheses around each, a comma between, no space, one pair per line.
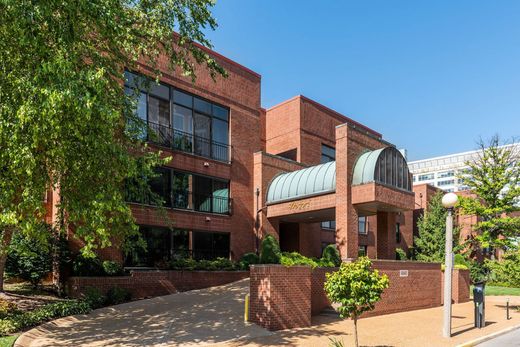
(448,201)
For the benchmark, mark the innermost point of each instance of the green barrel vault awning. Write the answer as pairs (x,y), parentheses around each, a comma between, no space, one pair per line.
(314,180)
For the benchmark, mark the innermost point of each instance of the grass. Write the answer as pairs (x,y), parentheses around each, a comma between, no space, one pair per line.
(496,290)
(7,341)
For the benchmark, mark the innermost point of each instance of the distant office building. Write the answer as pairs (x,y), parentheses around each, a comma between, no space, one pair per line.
(443,172)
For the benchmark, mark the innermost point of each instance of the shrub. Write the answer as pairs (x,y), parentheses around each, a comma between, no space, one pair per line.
(270,250)
(112,268)
(17,321)
(249,259)
(94,297)
(356,287)
(331,255)
(295,258)
(7,308)
(117,295)
(400,254)
(83,266)
(505,272)
(183,264)
(29,258)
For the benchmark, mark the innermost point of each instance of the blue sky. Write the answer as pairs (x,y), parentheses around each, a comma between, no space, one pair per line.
(431,76)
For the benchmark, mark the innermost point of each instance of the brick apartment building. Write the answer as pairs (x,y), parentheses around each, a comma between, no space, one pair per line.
(299,170)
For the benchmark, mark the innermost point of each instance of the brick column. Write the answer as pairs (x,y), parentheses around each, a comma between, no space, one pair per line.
(346,215)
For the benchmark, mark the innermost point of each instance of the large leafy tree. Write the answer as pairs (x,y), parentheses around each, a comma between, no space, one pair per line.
(430,243)
(64,115)
(494,180)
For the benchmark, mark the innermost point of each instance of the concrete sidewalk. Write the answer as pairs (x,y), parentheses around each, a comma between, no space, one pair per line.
(214,316)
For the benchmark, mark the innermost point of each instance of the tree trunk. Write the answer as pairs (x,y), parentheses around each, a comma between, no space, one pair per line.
(56,270)
(355,331)
(7,235)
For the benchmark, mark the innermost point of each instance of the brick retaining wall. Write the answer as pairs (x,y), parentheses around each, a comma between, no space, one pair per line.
(286,297)
(143,284)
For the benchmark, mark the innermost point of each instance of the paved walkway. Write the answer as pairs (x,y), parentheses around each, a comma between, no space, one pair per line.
(214,316)
(199,317)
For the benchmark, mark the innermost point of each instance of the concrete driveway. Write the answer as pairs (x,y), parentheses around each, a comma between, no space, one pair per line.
(201,317)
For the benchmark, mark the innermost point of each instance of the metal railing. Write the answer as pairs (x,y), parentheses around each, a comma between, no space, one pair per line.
(165,135)
(201,202)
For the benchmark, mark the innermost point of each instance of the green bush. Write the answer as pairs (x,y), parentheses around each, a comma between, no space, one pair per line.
(17,321)
(112,268)
(270,250)
(7,308)
(91,267)
(248,259)
(94,297)
(295,258)
(219,264)
(331,255)
(117,295)
(506,272)
(400,254)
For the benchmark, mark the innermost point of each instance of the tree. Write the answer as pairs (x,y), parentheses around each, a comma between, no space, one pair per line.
(356,287)
(430,243)
(494,181)
(65,120)
(270,250)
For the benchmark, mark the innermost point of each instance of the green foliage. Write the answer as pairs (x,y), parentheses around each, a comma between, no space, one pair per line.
(334,342)
(112,268)
(400,254)
(87,266)
(28,258)
(331,255)
(219,264)
(7,308)
(65,119)
(494,178)
(94,297)
(270,250)
(17,321)
(295,259)
(117,295)
(431,242)
(249,259)
(506,272)
(355,287)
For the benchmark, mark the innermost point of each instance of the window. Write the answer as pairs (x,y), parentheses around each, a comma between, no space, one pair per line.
(329,225)
(391,169)
(363,225)
(426,177)
(444,174)
(327,154)
(445,183)
(186,191)
(195,125)
(362,251)
(164,244)
(208,245)
(398,232)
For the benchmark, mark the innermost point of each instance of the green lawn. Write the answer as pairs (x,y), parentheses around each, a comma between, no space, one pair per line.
(495,290)
(7,341)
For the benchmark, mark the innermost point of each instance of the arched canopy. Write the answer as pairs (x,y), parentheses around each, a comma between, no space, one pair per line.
(385,166)
(314,180)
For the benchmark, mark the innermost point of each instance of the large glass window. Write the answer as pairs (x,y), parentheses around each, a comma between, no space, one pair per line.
(196,126)
(362,251)
(398,232)
(186,191)
(327,154)
(164,244)
(329,225)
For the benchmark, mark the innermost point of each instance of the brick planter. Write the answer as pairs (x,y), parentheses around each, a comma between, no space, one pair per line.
(143,284)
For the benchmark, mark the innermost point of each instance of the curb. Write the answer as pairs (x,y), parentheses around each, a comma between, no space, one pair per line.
(479,340)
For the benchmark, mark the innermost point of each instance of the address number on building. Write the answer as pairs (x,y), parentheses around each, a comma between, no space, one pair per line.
(403,273)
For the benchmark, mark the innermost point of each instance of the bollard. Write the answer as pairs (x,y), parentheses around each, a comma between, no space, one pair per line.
(246,309)
(507,309)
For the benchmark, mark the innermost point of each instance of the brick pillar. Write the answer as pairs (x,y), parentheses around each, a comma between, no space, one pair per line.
(346,215)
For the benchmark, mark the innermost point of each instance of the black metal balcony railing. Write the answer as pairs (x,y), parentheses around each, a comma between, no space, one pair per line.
(186,200)
(165,135)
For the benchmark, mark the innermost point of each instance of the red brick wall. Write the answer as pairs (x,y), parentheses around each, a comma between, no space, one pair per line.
(460,283)
(144,284)
(280,297)
(299,291)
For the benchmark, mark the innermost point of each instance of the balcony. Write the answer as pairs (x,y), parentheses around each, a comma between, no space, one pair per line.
(167,136)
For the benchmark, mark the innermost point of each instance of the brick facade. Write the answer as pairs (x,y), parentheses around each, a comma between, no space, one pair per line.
(286,297)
